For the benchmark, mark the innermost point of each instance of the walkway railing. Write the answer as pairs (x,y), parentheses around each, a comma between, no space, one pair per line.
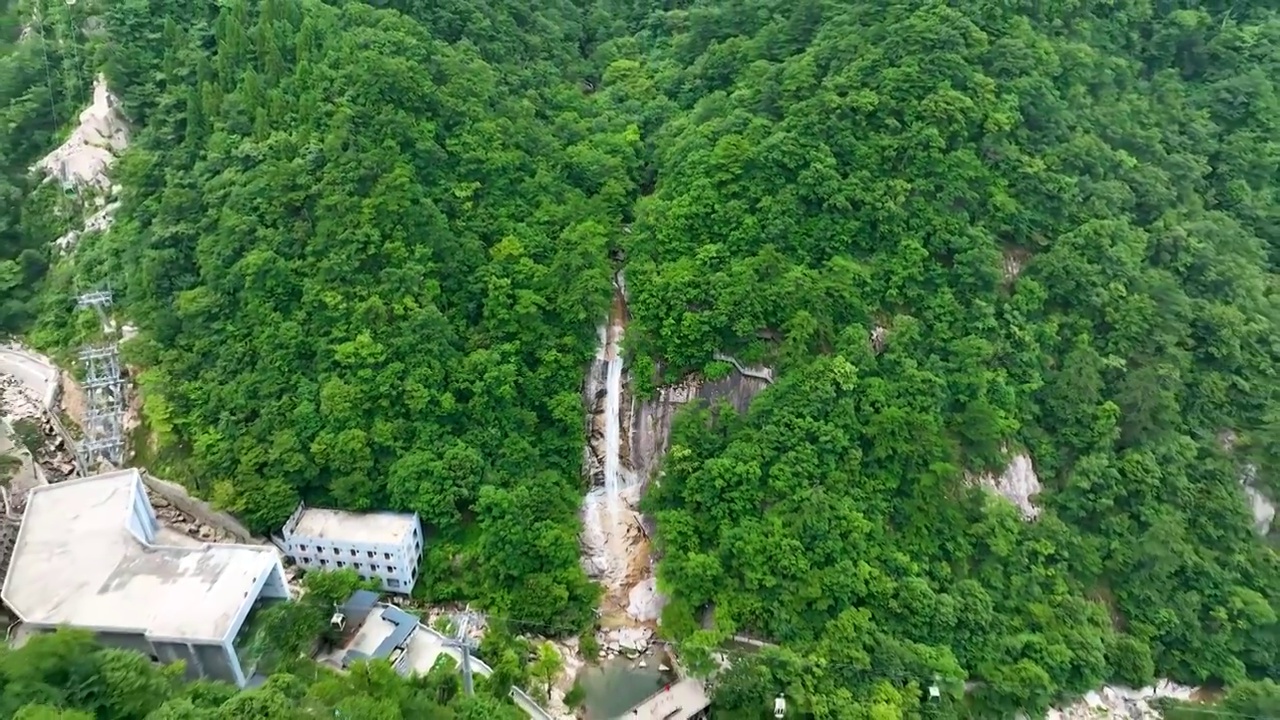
(521,698)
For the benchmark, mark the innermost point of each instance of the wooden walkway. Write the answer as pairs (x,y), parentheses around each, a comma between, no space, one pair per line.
(683,701)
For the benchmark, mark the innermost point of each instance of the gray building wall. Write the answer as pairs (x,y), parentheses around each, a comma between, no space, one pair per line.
(129,641)
(395,565)
(203,661)
(142,521)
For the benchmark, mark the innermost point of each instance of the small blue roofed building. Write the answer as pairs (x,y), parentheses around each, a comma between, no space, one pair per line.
(373,630)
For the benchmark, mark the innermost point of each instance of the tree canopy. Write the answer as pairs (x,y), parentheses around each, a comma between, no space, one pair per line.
(1062,219)
(67,676)
(367,246)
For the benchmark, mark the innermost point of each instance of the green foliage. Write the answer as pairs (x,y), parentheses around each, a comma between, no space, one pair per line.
(1250,699)
(589,644)
(1064,223)
(508,655)
(283,632)
(9,465)
(370,278)
(547,666)
(367,246)
(576,695)
(332,588)
(44,79)
(27,432)
(66,676)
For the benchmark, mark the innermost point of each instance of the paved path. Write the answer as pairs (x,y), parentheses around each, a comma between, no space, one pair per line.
(35,373)
(426,646)
(682,701)
(759,373)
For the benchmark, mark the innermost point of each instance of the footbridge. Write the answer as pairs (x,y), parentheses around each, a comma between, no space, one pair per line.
(685,700)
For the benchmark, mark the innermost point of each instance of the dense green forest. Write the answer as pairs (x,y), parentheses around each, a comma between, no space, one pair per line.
(66,676)
(1064,215)
(42,87)
(367,246)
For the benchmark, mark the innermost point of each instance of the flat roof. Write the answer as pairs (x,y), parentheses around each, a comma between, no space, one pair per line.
(382,528)
(386,629)
(76,563)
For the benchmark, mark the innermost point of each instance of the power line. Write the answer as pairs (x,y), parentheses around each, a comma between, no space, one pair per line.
(808,665)
(465,645)
(75,51)
(48,74)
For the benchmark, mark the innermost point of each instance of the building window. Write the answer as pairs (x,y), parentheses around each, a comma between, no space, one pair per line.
(355,565)
(373,568)
(390,569)
(341,564)
(323,561)
(370,553)
(353,552)
(392,582)
(386,556)
(302,548)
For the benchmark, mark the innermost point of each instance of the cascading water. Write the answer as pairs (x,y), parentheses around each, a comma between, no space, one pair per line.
(613,423)
(615,549)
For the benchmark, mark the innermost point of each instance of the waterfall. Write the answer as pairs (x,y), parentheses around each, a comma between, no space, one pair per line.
(613,483)
(615,549)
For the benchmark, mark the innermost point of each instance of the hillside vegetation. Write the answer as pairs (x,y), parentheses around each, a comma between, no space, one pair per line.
(368,244)
(65,676)
(42,87)
(1065,218)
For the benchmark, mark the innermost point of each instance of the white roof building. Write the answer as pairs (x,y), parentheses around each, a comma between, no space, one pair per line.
(88,555)
(385,546)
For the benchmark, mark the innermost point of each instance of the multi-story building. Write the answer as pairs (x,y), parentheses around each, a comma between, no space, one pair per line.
(90,554)
(384,546)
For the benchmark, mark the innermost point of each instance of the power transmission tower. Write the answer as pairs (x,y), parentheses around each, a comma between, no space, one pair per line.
(465,645)
(99,300)
(104,387)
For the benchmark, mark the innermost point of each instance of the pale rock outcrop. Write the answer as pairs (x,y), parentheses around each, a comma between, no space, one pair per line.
(878,338)
(100,221)
(645,603)
(1018,484)
(1120,703)
(1260,506)
(83,162)
(625,641)
(1014,262)
(1263,509)
(86,156)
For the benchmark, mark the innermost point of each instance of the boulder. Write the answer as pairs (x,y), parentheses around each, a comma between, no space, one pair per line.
(644,602)
(631,640)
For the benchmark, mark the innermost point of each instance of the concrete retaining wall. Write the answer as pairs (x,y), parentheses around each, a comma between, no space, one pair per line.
(198,509)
